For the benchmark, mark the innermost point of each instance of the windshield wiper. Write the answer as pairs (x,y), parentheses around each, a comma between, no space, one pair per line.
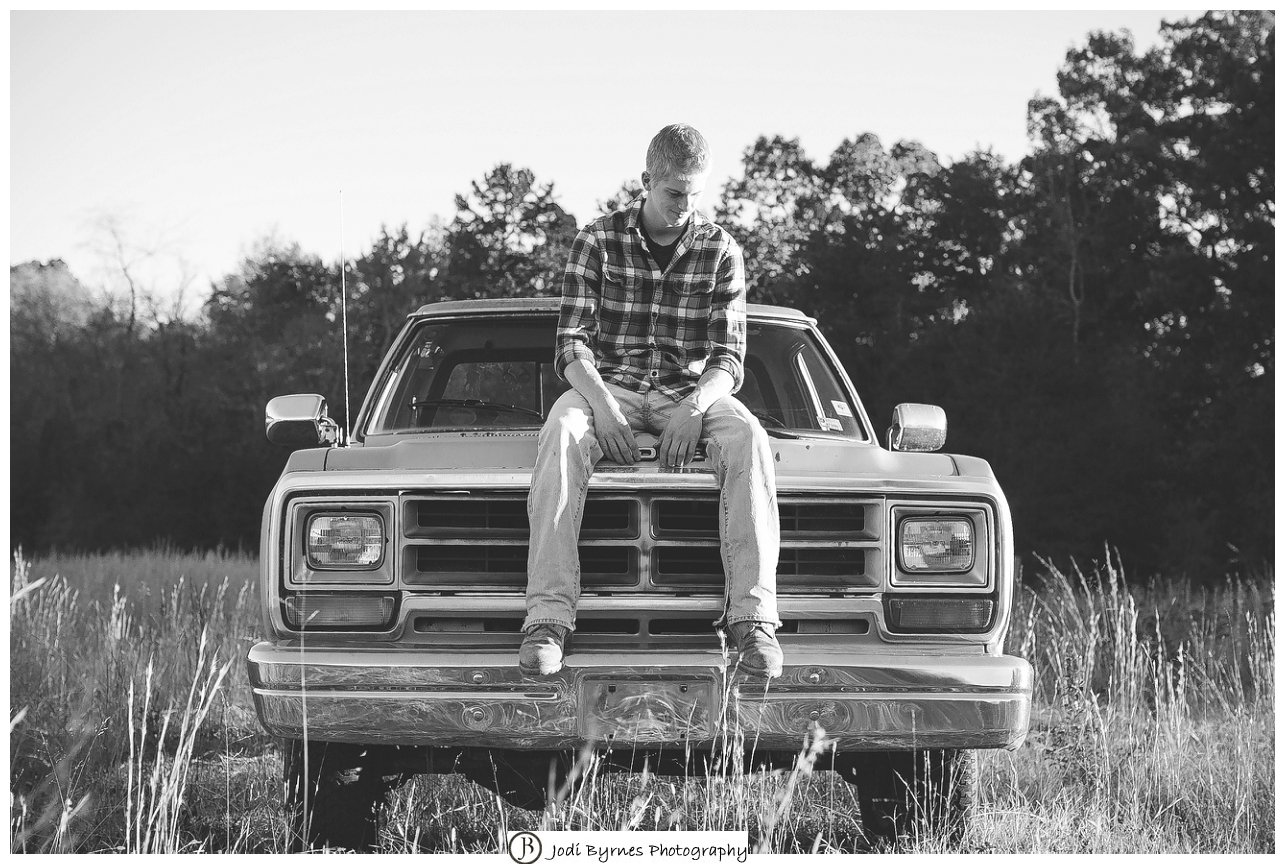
(772,426)
(417,404)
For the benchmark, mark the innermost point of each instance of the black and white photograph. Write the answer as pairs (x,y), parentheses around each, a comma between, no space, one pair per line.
(658,434)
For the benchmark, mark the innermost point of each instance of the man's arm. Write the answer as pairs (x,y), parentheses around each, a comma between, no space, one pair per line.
(678,442)
(578,314)
(575,361)
(714,385)
(726,328)
(609,424)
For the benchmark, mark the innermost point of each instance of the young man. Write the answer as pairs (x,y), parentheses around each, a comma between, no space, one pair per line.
(651,337)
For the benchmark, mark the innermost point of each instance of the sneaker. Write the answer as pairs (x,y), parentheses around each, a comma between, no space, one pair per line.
(541,652)
(759,650)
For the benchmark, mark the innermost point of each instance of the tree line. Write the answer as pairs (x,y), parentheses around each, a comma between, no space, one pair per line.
(1096,319)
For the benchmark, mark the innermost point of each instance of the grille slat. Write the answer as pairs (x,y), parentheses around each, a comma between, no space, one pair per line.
(453,515)
(696,567)
(685,517)
(850,563)
(694,517)
(484,566)
(813,519)
(507,517)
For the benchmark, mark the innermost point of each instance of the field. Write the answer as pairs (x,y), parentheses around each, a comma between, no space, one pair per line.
(132,729)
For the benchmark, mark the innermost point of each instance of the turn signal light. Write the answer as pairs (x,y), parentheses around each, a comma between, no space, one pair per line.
(338,611)
(940,614)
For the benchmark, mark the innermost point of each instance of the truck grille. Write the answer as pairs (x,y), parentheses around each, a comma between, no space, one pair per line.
(661,542)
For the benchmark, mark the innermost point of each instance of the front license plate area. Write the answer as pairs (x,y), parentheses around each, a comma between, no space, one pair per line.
(641,710)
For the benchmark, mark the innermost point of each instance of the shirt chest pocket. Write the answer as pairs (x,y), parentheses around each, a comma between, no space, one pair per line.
(693,297)
(619,288)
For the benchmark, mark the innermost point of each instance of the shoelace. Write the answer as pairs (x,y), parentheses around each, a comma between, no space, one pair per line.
(748,632)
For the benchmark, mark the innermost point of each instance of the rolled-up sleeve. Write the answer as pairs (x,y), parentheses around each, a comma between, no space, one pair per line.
(727,317)
(581,290)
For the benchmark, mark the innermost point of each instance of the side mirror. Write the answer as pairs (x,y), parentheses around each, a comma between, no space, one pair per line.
(917,428)
(300,421)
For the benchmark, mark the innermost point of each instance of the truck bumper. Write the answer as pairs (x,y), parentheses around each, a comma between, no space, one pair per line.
(887,701)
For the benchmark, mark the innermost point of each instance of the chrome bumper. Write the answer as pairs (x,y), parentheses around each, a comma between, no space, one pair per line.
(872,702)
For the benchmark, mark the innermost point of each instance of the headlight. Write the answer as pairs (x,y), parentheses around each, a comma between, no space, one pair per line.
(936,545)
(345,540)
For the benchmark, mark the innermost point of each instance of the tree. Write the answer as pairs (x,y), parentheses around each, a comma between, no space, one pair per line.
(48,308)
(510,238)
(393,279)
(771,210)
(1175,141)
(628,191)
(1152,201)
(782,199)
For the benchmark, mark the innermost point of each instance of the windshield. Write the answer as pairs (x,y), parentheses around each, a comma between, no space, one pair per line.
(497,372)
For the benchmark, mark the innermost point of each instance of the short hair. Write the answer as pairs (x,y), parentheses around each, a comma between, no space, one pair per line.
(678,150)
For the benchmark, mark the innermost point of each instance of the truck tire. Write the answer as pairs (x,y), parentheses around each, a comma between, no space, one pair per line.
(522,779)
(914,793)
(345,792)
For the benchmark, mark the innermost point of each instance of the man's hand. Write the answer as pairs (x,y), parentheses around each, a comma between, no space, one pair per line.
(615,438)
(614,435)
(678,441)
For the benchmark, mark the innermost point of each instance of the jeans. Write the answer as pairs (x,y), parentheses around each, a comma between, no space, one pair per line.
(749,530)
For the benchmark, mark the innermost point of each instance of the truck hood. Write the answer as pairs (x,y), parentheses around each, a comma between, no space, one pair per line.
(508,452)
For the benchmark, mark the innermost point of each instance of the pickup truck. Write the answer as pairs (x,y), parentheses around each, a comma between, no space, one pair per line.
(394,568)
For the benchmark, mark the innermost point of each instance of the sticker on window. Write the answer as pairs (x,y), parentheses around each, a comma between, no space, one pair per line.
(841,408)
(829,424)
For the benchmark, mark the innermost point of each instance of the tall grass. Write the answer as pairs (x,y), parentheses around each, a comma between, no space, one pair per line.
(86,632)
(1154,717)
(1152,729)
(154,806)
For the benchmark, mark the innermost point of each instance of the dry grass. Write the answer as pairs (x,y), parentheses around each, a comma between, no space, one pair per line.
(109,683)
(1153,726)
(1153,729)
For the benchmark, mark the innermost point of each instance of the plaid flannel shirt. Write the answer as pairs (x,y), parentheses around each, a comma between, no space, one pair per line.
(641,327)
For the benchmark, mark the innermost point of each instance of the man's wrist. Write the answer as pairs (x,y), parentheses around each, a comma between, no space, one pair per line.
(691,400)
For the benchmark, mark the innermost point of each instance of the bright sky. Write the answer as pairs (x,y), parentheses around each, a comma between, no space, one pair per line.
(204,132)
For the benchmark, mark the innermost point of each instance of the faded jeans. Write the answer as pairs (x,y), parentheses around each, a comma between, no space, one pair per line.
(749,530)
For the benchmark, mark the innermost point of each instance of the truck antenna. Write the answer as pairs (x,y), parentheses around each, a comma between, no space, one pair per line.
(343,302)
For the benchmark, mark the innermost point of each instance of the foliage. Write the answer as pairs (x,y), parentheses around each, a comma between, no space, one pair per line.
(628,191)
(509,238)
